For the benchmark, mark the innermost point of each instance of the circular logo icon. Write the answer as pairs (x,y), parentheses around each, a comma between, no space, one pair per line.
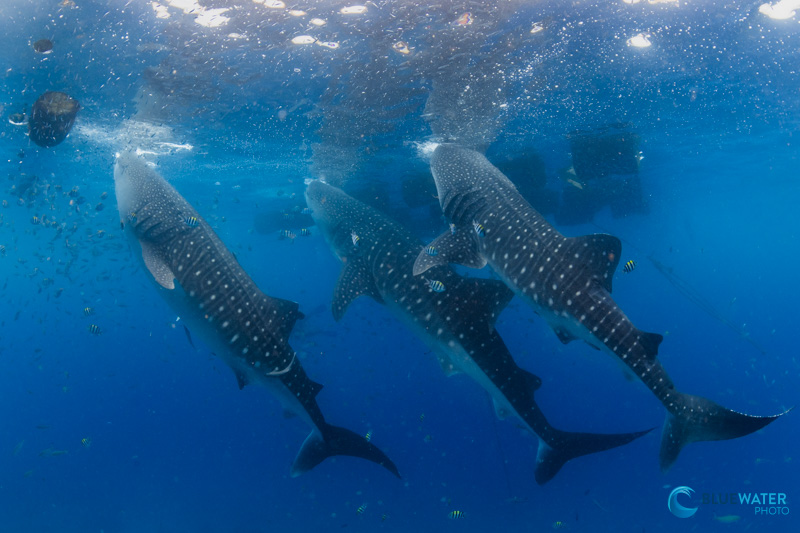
(676,508)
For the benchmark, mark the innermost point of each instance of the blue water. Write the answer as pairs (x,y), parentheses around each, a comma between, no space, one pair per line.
(236,117)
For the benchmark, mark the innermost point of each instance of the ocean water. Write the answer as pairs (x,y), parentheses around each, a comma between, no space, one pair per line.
(137,429)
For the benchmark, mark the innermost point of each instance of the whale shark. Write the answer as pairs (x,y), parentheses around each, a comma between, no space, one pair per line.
(211,292)
(453,315)
(567,281)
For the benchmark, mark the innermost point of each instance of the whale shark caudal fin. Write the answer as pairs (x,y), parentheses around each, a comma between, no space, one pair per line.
(568,446)
(337,441)
(697,419)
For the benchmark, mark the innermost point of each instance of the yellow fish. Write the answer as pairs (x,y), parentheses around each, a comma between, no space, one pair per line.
(455,515)
(629,266)
(436,285)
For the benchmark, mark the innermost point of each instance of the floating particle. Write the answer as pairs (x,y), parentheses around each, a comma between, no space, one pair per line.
(641,40)
(303,39)
(353,10)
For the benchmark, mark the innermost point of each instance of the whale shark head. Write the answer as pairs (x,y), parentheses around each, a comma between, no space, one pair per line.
(463,179)
(456,167)
(332,209)
(129,179)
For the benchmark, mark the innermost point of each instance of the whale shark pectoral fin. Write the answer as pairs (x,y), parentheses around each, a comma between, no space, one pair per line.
(241,380)
(355,280)
(600,253)
(157,267)
(458,247)
(491,296)
(564,336)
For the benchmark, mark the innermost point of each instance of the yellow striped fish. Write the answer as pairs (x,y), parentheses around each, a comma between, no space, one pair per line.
(629,266)
(436,285)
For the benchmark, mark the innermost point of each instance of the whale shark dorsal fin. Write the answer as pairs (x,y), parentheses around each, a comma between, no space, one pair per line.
(600,253)
(450,247)
(534,381)
(650,343)
(355,280)
(493,296)
(285,313)
(157,267)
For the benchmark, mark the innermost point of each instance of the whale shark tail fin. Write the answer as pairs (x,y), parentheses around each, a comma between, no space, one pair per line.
(695,419)
(567,446)
(333,440)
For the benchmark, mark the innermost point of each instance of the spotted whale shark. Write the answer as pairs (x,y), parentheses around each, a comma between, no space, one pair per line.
(206,286)
(567,281)
(453,315)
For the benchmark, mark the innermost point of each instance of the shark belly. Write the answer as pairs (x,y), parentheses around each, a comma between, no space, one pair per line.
(455,358)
